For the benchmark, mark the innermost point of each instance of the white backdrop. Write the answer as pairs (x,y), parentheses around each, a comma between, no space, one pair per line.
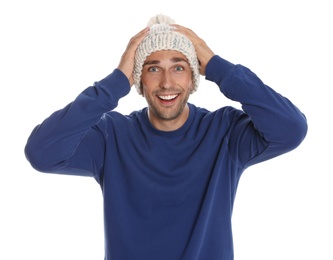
(52,50)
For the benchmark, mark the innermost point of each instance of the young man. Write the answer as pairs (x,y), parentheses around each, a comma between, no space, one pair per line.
(168,172)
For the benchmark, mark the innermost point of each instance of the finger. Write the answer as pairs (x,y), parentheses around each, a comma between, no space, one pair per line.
(136,39)
(187,32)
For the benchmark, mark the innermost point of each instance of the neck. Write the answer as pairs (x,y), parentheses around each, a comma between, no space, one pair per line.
(169,124)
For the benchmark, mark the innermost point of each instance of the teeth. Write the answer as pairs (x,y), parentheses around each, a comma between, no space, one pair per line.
(168,97)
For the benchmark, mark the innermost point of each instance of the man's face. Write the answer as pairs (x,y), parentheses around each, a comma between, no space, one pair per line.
(166,84)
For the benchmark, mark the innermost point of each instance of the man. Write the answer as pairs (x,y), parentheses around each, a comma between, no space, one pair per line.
(168,172)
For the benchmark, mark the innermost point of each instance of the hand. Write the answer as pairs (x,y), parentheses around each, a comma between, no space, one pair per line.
(126,64)
(204,53)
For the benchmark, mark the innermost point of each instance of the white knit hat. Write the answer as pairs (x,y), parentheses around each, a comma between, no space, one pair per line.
(163,37)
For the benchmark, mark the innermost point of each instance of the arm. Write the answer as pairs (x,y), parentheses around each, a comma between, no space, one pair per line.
(271,125)
(53,142)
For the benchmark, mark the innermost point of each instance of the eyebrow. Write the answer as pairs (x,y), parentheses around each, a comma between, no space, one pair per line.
(174,60)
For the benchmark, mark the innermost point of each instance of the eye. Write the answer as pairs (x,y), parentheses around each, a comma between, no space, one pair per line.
(152,69)
(179,68)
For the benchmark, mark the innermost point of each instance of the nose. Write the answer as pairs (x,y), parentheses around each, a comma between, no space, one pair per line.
(166,80)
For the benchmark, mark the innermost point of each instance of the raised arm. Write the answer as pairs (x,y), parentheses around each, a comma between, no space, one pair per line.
(273,124)
(55,140)
(270,125)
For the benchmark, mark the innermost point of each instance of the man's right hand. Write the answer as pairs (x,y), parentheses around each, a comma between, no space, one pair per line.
(126,64)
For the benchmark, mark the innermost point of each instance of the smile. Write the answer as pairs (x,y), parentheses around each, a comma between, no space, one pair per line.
(168,97)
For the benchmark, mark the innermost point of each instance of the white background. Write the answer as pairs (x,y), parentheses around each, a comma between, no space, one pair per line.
(52,50)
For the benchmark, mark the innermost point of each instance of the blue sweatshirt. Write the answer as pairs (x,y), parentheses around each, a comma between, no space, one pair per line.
(168,195)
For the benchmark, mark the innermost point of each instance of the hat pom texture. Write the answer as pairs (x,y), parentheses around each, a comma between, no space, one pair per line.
(163,37)
(160,19)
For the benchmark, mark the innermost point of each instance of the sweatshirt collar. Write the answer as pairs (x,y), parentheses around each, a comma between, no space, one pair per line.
(177,132)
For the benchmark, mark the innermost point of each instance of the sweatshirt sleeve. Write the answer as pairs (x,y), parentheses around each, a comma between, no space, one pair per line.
(270,125)
(54,141)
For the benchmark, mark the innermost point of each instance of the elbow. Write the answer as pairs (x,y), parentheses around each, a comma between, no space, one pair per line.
(34,157)
(297,132)
(37,158)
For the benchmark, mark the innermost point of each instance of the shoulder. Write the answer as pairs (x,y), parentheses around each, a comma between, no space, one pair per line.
(224,113)
(117,120)
(217,124)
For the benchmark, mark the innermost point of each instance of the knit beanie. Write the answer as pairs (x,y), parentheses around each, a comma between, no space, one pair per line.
(163,37)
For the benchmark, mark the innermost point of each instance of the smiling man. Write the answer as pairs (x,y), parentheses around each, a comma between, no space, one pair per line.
(168,172)
(167,84)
